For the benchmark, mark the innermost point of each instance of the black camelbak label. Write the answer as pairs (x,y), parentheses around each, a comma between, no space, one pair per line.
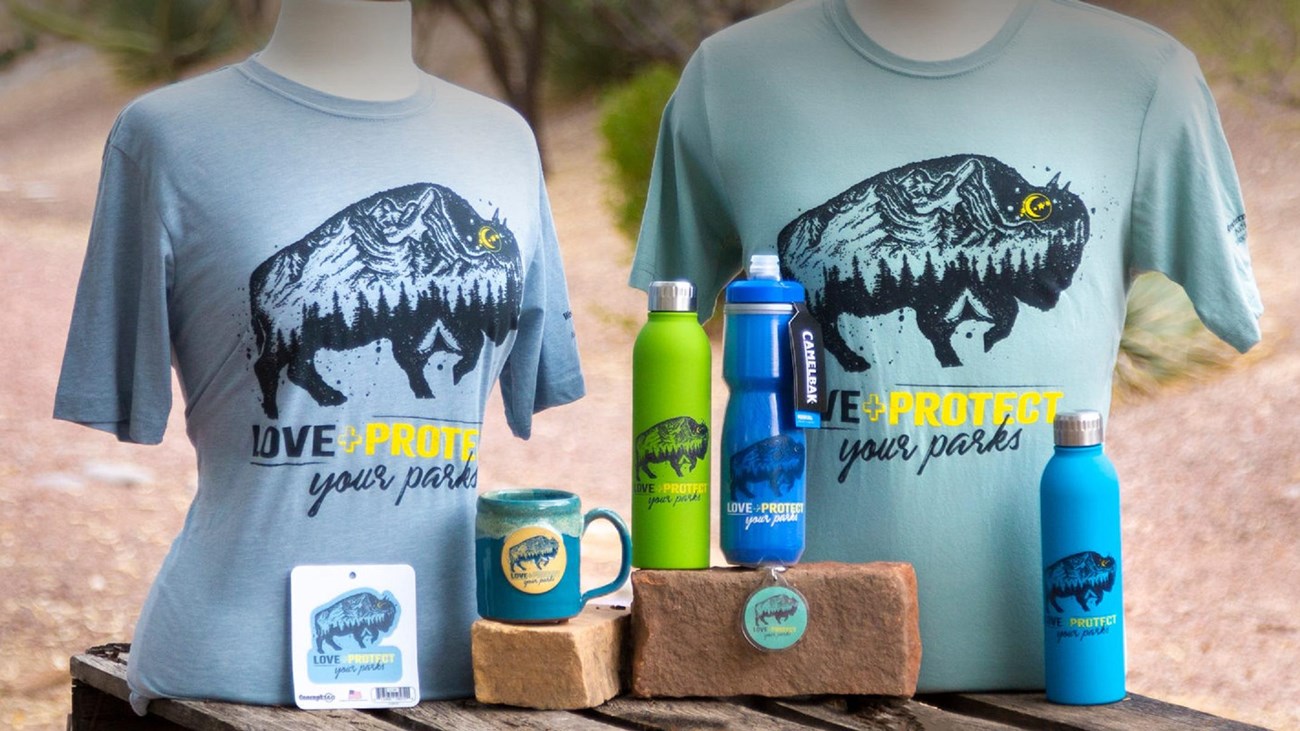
(806,352)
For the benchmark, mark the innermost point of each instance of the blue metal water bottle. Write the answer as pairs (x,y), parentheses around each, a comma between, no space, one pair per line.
(1083,597)
(762,500)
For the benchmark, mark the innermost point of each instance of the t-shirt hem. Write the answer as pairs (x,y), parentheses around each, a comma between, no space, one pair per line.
(565,392)
(135,431)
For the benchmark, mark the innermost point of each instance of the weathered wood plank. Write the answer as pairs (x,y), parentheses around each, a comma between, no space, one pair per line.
(473,716)
(876,713)
(109,676)
(100,693)
(1032,710)
(652,715)
(95,710)
(213,716)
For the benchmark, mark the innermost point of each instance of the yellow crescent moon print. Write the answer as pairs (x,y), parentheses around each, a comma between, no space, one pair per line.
(489,239)
(1036,207)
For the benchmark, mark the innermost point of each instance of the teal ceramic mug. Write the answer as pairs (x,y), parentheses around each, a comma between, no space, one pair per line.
(528,546)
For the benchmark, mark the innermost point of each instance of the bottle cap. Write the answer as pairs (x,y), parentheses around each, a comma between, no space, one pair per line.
(672,296)
(1077,428)
(764,266)
(764,283)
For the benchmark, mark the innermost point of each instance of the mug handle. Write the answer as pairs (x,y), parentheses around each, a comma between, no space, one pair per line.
(624,538)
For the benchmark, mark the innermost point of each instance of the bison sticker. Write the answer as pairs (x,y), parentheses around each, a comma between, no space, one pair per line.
(415,265)
(363,615)
(1082,576)
(955,239)
(679,442)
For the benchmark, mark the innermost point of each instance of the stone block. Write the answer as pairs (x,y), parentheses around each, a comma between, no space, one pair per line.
(863,634)
(575,664)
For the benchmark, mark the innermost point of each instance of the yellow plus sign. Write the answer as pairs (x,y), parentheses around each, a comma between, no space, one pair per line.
(350,442)
(874,408)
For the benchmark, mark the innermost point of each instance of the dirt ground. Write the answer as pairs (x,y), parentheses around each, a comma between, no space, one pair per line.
(1211,470)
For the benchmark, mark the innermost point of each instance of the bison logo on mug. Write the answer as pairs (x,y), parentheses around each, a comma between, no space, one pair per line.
(533,559)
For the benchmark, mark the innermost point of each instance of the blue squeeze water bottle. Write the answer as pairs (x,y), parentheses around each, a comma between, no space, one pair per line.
(1083,597)
(763,491)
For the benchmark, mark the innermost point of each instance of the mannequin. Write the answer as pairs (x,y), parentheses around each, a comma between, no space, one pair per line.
(931,30)
(358,49)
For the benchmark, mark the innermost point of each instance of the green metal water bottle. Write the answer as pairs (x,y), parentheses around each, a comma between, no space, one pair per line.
(671,379)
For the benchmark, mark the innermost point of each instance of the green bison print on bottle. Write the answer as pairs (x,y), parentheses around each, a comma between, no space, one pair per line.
(680,443)
(955,239)
(415,265)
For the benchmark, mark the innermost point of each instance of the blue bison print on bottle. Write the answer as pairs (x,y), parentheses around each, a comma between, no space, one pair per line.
(679,442)
(959,240)
(1083,576)
(776,461)
(538,549)
(414,265)
(364,616)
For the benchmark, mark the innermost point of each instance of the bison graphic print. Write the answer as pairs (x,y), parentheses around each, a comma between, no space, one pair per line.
(1083,576)
(956,238)
(415,265)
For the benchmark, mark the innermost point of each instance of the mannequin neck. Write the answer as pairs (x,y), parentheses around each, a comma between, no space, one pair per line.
(359,49)
(931,30)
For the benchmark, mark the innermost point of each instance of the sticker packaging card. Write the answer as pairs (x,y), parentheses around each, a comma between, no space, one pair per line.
(354,639)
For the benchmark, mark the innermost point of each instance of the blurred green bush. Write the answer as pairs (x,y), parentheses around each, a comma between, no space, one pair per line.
(15,39)
(629,126)
(1163,340)
(147,40)
(1254,43)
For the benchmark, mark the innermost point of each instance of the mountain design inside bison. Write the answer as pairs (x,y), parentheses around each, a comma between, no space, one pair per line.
(956,239)
(415,265)
(1085,575)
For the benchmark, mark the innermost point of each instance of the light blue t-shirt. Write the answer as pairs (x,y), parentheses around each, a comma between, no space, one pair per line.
(338,284)
(967,231)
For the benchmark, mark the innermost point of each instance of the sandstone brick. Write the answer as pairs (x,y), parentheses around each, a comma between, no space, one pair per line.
(863,634)
(577,664)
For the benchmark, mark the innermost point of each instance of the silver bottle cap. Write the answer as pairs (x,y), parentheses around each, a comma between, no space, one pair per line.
(672,296)
(1077,428)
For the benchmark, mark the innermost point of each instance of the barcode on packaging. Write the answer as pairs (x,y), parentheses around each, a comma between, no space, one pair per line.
(395,693)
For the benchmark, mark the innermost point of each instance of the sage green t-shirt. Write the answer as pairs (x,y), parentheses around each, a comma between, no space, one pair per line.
(967,231)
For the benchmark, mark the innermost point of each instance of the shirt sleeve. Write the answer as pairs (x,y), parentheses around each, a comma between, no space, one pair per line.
(542,369)
(688,230)
(1189,221)
(116,374)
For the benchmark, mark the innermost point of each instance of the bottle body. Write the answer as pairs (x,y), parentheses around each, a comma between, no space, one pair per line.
(1083,608)
(763,489)
(671,383)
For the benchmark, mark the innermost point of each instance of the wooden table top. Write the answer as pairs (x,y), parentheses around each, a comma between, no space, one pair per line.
(100,692)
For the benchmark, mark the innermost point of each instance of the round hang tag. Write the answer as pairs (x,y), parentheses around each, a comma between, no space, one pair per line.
(774,617)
